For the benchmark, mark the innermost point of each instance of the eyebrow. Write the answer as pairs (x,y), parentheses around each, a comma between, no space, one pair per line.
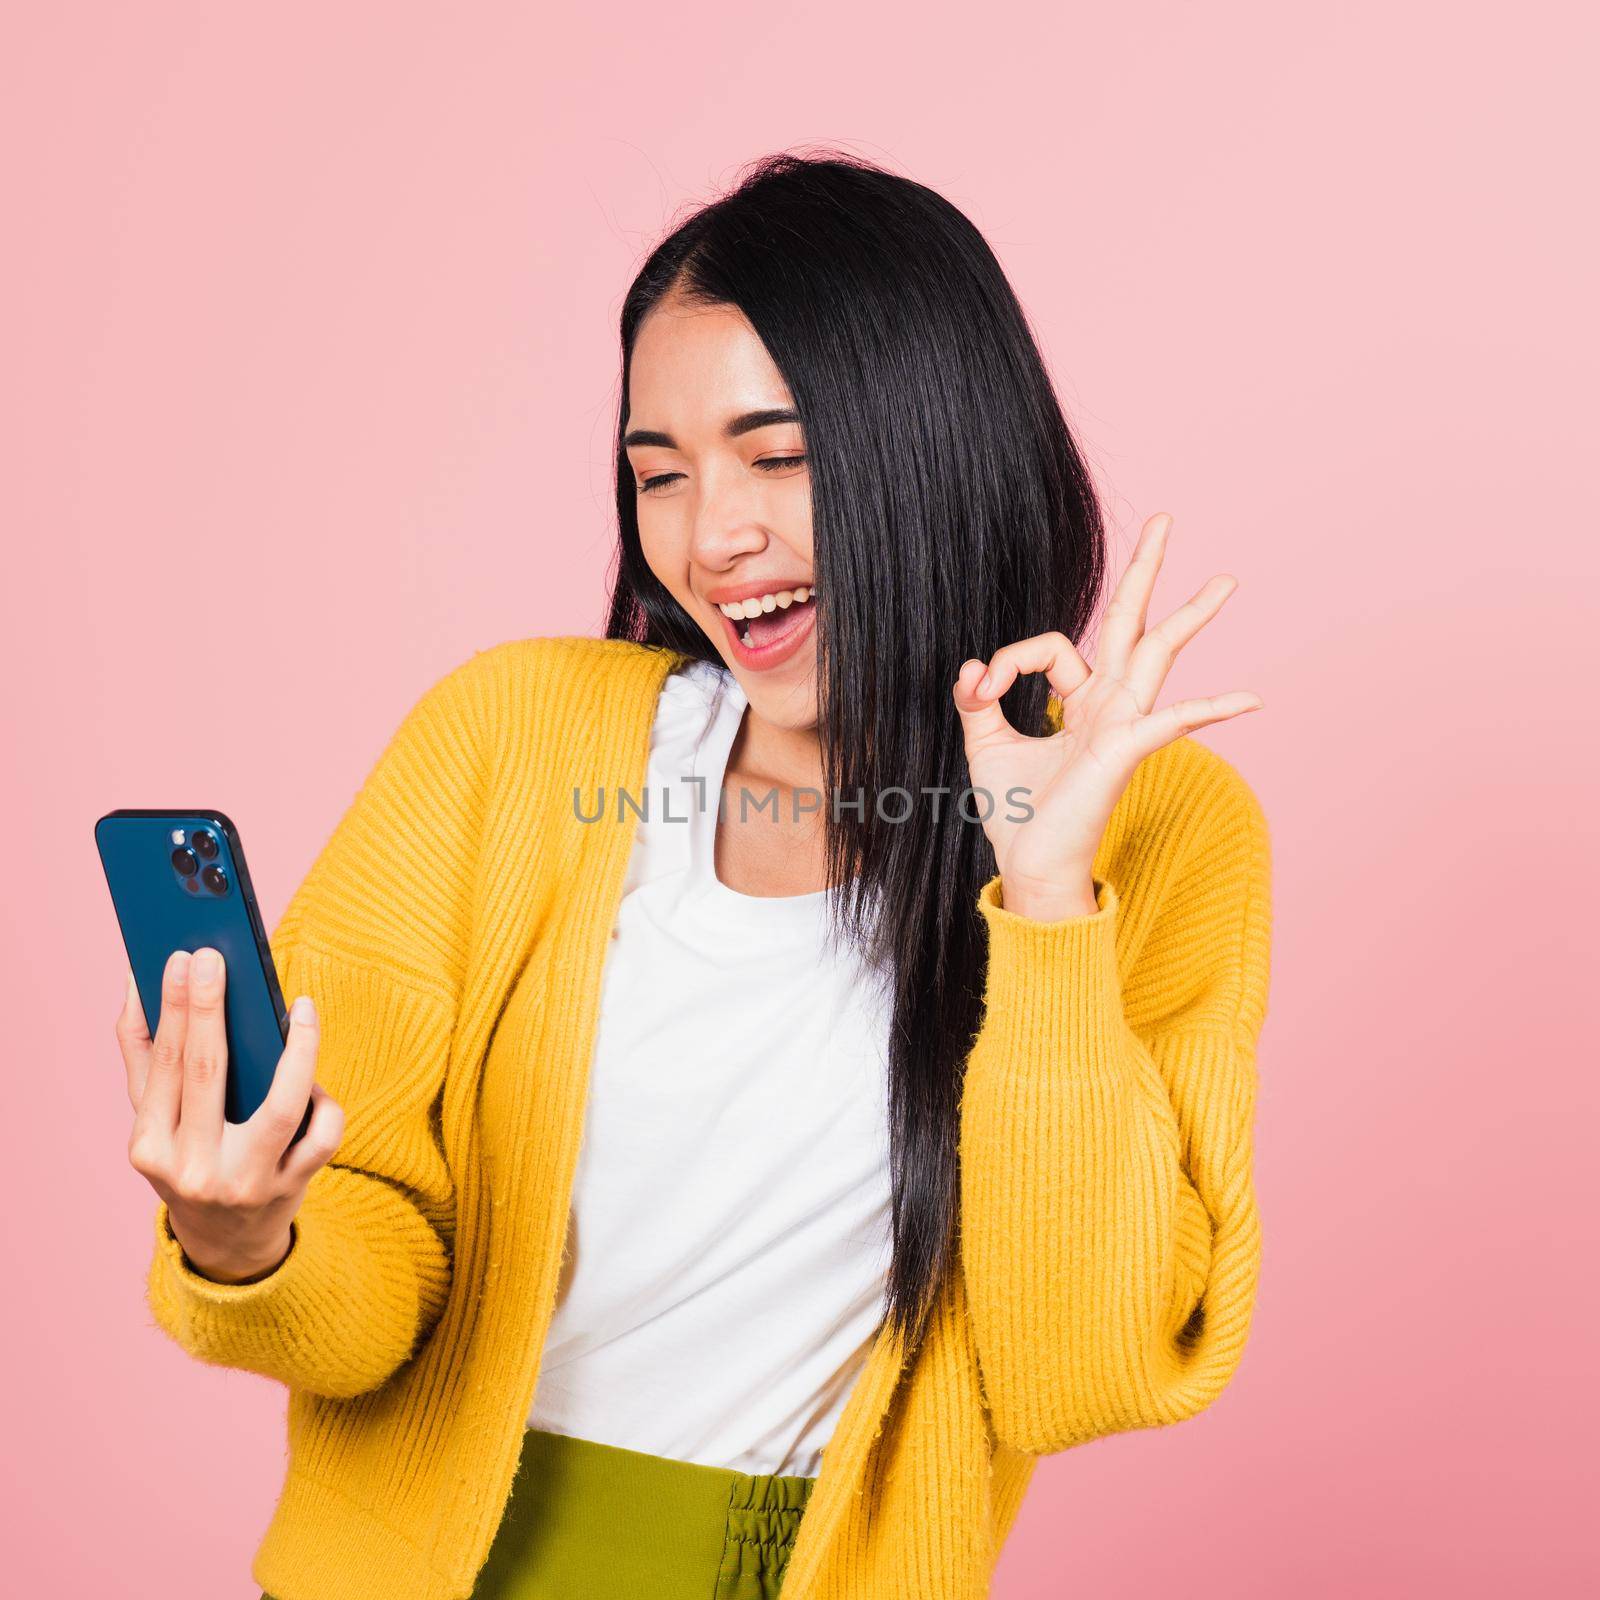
(748,422)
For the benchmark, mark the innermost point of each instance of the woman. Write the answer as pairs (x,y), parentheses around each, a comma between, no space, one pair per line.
(744,1194)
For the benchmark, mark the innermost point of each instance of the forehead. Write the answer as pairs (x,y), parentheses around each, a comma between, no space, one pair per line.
(696,364)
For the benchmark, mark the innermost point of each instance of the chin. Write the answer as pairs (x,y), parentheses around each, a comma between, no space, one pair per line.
(791,706)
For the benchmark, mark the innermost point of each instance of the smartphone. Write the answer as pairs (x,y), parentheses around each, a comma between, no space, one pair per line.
(178,881)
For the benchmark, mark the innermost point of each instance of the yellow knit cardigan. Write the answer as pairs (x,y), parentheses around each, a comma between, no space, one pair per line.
(453,933)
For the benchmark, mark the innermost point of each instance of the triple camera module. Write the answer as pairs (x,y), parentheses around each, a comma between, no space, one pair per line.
(189,851)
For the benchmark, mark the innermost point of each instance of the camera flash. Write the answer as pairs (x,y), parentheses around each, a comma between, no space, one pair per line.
(177,835)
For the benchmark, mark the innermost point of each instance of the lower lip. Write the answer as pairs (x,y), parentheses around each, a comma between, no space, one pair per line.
(775,654)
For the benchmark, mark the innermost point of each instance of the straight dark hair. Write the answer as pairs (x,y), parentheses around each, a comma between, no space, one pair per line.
(952,513)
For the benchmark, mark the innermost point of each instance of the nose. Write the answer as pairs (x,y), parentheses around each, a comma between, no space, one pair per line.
(727,524)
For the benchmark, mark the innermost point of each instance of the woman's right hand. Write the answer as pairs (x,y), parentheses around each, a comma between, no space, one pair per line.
(231,1189)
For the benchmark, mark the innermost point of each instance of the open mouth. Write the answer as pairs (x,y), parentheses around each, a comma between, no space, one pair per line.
(766,629)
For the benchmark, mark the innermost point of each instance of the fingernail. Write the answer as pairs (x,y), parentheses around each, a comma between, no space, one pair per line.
(205,965)
(986,683)
(303,1011)
(178,965)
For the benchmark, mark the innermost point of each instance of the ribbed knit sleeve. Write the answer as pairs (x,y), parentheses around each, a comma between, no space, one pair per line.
(377,935)
(1110,1239)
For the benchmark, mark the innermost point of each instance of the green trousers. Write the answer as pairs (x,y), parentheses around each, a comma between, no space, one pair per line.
(589,1521)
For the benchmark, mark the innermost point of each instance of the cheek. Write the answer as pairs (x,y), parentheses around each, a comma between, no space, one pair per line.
(666,549)
(791,508)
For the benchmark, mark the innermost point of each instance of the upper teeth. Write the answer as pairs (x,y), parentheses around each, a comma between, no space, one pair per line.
(757,603)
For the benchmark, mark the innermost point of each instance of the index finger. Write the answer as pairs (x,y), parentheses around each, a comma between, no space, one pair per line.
(205,1049)
(1053,654)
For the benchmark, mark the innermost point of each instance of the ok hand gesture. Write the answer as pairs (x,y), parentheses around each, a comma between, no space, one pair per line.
(1109,724)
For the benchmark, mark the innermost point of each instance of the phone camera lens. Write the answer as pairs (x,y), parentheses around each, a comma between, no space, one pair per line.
(215,879)
(185,860)
(205,844)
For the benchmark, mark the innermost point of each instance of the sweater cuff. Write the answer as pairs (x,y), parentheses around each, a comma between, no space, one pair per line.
(296,1320)
(991,903)
(1053,983)
(364,1273)
(170,1260)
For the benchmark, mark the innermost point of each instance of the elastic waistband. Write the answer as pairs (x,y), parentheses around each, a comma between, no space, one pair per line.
(589,1520)
(644,1473)
(768,1492)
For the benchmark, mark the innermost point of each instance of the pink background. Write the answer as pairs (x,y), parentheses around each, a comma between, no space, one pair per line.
(309,375)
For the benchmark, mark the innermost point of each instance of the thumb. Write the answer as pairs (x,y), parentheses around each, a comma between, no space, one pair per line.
(982,720)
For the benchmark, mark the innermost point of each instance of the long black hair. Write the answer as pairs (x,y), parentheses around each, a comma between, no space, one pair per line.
(952,513)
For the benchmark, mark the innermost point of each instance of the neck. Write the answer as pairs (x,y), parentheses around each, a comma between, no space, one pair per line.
(768,755)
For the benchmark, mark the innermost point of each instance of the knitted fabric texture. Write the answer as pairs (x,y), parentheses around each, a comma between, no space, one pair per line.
(453,934)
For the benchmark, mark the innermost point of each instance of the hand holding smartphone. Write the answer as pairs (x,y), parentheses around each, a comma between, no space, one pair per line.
(229,1124)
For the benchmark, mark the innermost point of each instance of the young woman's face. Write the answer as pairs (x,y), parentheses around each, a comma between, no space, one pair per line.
(724,497)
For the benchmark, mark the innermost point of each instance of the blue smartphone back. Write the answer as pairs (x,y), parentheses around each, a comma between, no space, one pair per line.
(164,906)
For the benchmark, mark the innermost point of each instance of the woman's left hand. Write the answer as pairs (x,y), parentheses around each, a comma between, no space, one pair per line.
(1109,724)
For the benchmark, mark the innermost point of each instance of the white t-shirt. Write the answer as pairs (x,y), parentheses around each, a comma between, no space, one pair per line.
(729,1240)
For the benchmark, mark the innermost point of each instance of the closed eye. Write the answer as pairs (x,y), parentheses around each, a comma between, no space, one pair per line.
(658,481)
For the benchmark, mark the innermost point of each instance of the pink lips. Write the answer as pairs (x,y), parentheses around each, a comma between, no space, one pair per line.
(763,658)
